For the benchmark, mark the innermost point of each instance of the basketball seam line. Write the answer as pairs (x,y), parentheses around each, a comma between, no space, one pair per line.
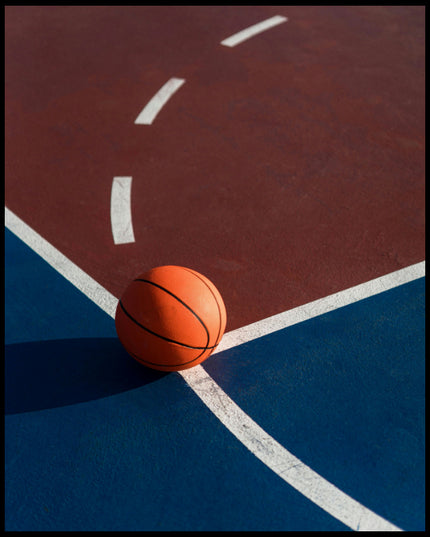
(140,359)
(218,339)
(181,302)
(159,335)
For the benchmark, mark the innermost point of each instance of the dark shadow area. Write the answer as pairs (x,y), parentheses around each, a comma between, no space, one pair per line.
(49,374)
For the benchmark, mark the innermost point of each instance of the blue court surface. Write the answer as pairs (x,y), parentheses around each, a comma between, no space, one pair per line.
(96,442)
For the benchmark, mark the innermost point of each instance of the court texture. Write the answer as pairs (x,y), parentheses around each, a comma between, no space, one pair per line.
(279,151)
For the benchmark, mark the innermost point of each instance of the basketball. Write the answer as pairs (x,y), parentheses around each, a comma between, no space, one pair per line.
(170,318)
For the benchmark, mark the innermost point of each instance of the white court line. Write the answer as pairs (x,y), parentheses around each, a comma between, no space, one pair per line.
(62,264)
(150,111)
(241,36)
(260,443)
(280,460)
(321,306)
(120,210)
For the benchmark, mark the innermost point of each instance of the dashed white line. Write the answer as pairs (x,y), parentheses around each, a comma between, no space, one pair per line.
(150,111)
(120,210)
(259,442)
(241,36)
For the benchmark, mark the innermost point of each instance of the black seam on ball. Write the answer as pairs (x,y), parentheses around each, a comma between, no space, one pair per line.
(181,302)
(159,335)
(216,301)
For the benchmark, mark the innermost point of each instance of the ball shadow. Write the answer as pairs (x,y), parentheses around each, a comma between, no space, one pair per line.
(50,374)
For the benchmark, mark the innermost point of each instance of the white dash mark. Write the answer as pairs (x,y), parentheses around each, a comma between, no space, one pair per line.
(148,114)
(120,210)
(235,39)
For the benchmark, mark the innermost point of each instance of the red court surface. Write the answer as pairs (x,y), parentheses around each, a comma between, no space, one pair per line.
(285,168)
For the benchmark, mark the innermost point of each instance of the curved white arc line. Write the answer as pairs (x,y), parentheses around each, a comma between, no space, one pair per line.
(255,29)
(120,210)
(260,443)
(280,460)
(150,111)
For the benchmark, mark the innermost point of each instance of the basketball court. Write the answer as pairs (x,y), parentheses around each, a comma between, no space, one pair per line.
(277,150)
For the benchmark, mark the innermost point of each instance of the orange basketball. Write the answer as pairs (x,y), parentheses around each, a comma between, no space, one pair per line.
(170,318)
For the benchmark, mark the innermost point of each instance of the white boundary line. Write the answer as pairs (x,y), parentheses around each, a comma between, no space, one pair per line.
(261,444)
(280,460)
(321,306)
(120,210)
(255,29)
(148,114)
(62,264)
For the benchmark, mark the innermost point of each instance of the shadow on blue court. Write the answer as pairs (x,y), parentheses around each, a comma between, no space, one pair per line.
(49,374)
